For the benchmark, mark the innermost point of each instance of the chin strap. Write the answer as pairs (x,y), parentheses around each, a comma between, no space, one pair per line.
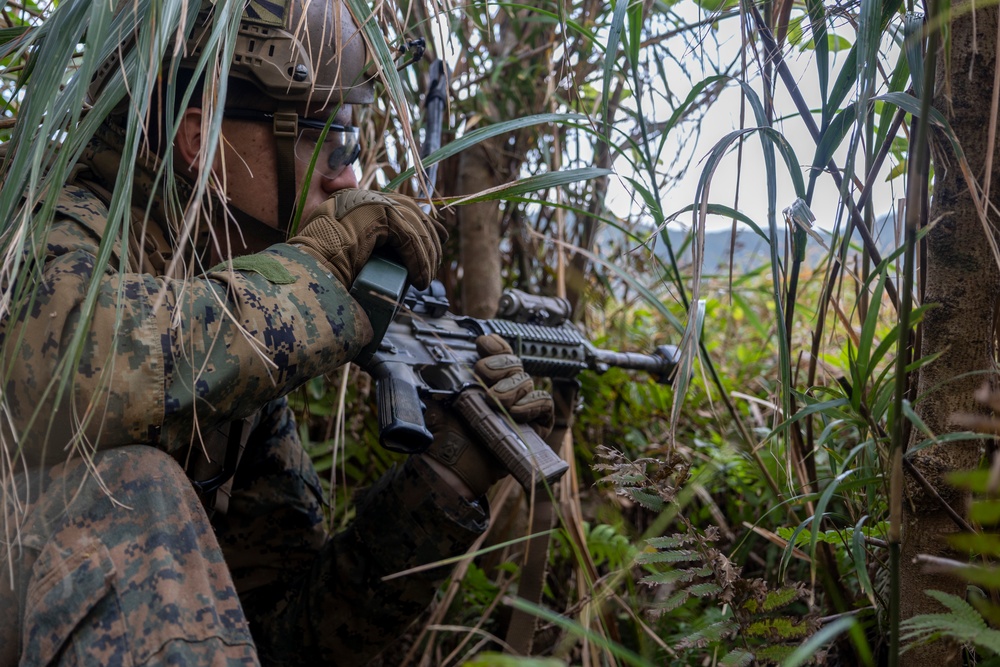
(256,235)
(286,130)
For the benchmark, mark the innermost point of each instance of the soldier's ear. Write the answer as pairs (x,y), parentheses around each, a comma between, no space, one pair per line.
(188,142)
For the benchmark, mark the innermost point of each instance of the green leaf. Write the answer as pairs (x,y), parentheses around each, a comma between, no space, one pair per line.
(667,556)
(832,137)
(971,480)
(985,512)
(860,558)
(647,500)
(738,657)
(671,541)
(481,134)
(704,590)
(779,628)
(572,627)
(980,544)
(673,602)
(897,171)
(826,635)
(535,183)
(773,654)
(834,43)
(897,82)
(865,343)
(610,55)
(781,598)
(12,33)
(634,32)
(988,577)
(962,624)
(714,6)
(824,500)
(726,212)
(669,577)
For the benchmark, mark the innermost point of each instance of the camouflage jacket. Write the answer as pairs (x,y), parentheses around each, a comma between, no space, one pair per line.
(181,358)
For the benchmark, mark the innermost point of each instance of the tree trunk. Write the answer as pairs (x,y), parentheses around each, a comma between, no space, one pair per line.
(479,231)
(962,280)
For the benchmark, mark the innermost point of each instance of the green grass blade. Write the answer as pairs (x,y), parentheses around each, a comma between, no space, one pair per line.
(610,54)
(622,653)
(824,500)
(827,634)
(479,135)
(817,23)
(535,183)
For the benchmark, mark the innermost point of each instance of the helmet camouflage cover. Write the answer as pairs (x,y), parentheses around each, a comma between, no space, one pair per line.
(301,50)
(292,50)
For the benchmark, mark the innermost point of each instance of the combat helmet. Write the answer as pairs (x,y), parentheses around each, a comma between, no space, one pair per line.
(296,51)
(293,52)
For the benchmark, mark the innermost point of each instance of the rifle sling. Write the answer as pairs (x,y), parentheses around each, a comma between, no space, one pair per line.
(521,631)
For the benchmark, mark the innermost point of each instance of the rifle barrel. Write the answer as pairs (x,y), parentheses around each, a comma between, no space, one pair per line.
(655,364)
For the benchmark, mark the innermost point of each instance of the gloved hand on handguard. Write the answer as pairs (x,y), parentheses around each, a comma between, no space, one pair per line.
(514,393)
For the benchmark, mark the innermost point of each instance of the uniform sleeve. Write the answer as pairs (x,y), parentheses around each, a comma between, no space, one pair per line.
(164,361)
(312,599)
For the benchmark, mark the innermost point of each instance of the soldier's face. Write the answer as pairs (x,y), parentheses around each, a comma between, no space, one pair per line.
(249,165)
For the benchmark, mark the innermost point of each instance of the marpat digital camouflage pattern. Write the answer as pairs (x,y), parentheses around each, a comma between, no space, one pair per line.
(114,558)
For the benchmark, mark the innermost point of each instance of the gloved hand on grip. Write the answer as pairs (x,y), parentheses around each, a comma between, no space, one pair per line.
(455,447)
(346,228)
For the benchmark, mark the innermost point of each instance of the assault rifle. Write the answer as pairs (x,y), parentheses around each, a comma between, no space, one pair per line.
(422,352)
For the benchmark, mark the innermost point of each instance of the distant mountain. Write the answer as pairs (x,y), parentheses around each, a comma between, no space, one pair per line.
(751,251)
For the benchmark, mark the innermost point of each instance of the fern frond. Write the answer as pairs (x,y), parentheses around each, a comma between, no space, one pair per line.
(773,653)
(711,634)
(670,542)
(671,603)
(962,610)
(607,545)
(738,657)
(678,556)
(648,500)
(704,590)
(670,577)
(934,626)
(779,628)
(782,597)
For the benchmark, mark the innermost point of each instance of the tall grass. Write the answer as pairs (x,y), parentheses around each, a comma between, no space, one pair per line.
(783,429)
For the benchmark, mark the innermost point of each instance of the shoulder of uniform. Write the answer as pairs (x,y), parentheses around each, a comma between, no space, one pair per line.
(85,207)
(80,223)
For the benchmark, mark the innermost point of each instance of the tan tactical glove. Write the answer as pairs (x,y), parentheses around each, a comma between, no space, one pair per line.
(347,227)
(506,382)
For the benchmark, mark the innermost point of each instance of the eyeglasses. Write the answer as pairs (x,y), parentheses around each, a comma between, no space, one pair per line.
(340,149)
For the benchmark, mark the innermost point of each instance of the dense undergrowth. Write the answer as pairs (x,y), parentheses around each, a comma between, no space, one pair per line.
(707,551)
(744,513)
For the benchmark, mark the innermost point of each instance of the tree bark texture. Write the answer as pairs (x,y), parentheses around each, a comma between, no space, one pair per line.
(480,168)
(479,231)
(962,280)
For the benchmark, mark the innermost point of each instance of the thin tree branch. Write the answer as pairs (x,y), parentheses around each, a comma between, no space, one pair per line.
(932,492)
(806,114)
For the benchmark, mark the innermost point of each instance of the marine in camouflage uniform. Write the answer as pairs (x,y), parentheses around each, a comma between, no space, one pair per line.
(114,556)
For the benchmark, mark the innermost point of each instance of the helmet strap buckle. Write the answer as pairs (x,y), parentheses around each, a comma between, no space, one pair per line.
(286,124)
